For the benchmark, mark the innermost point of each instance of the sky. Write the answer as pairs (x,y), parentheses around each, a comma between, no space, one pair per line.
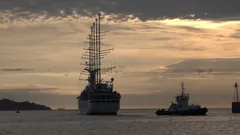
(155,49)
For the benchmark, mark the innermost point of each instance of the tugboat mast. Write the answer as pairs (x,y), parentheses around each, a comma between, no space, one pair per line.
(236,91)
(183,88)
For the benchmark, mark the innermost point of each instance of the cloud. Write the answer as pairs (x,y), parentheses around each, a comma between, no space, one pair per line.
(17,69)
(46,11)
(48,37)
(191,28)
(27,89)
(182,48)
(190,69)
(156,87)
(162,38)
(216,64)
(236,34)
(160,98)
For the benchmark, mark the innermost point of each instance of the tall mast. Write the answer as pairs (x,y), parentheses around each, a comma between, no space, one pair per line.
(99,47)
(236,91)
(94,54)
(91,43)
(183,88)
(92,62)
(93,46)
(96,48)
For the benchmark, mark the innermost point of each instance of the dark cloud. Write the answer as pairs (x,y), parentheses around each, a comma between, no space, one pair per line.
(36,89)
(182,48)
(174,47)
(189,28)
(41,59)
(236,34)
(144,10)
(74,28)
(162,38)
(219,64)
(132,30)
(16,69)
(193,69)
(122,28)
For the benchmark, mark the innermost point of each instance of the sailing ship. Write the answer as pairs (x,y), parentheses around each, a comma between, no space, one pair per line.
(182,107)
(236,103)
(98,97)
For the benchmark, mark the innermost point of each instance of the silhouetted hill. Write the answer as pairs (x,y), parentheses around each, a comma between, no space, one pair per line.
(6,104)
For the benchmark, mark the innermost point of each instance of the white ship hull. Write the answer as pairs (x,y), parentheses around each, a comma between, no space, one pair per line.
(86,107)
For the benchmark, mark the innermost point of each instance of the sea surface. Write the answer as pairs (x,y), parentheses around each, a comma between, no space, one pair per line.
(128,122)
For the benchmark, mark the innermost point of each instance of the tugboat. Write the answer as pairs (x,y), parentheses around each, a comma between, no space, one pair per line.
(182,107)
(98,97)
(236,103)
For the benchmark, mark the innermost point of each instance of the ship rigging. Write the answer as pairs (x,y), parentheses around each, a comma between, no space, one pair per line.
(98,96)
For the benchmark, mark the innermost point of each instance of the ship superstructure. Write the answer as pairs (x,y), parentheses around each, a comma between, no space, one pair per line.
(182,107)
(236,103)
(98,97)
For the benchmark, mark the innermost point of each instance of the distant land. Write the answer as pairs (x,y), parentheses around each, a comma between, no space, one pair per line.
(6,104)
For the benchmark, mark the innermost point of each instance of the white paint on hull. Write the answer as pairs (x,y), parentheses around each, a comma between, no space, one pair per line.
(83,106)
(86,107)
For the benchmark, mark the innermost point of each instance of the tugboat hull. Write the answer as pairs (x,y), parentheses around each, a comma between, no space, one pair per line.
(200,111)
(182,107)
(235,107)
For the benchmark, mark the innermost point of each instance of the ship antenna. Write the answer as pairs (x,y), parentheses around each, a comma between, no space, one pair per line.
(182,88)
(99,46)
(94,54)
(236,91)
(96,49)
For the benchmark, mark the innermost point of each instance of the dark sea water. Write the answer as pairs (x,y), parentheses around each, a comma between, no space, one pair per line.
(128,122)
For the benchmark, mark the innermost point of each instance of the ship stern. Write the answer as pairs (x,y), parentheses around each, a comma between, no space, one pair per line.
(103,108)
